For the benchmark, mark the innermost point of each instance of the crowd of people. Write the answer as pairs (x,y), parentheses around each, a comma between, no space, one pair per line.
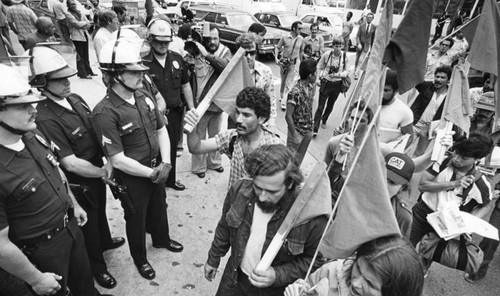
(58,155)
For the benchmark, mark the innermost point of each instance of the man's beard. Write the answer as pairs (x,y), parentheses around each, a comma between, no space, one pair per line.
(267,207)
(211,48)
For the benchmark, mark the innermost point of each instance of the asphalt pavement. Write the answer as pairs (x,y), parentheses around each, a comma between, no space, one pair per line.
(194,214)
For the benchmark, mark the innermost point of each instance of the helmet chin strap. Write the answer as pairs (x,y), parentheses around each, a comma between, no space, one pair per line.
(130,89)
(12,129)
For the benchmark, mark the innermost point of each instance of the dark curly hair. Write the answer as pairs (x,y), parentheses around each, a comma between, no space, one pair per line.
(268,160)
(256,99)
(478,145)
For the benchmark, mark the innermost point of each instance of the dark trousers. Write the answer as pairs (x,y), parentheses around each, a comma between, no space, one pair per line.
(149,203)
(245,288)
(66,256)
(174,129)
(96,230)
(327,97)
(437,34)
(420,226)
(82,58)
(64,31)
(489,246)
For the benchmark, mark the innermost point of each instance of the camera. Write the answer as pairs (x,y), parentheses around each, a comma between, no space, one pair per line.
(333,70)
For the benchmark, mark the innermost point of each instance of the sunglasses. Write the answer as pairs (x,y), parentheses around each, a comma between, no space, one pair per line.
(250,52)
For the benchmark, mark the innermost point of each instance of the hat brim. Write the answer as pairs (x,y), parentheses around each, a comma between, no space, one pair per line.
(27,99)
(396,178)
(136,67)
(61,73)
(163,38)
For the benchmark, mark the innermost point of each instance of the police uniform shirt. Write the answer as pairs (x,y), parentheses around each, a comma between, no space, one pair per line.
(69,131)
(127,128)
(168,79)
(33,198)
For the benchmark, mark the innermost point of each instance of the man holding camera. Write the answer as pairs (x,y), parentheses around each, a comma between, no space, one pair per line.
(292,49)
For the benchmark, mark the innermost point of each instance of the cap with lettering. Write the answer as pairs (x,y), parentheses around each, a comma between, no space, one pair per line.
(400,167)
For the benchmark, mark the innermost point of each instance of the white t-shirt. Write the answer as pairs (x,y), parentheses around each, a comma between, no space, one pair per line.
(392,118)
(256,240)
(102,37)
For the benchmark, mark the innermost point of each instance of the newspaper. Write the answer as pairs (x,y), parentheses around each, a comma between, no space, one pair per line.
(451,222)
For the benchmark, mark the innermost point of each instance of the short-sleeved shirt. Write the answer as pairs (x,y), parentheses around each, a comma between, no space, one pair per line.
(131,129)
(263,78)
(347,27)
(466,200)
(69,132)
(168,79)
(24,18)
(291,46)
(302,98)
(330,63)
(223,140)
(33,198)
(436,60)
(393,117)
(317,44)
(59,8)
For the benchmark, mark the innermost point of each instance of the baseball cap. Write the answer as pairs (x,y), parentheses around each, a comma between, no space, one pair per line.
(400,167)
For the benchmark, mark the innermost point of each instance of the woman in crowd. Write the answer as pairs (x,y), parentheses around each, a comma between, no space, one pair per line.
(387,266)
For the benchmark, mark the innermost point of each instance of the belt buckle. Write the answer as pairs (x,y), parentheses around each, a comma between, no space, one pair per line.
(65,220)
(153,163)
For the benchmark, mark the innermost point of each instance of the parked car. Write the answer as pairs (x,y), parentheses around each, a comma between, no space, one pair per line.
(331,23)
(284,21)
(232,23)
(175,14)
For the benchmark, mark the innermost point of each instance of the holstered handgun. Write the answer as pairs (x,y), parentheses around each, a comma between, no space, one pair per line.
(120,191)
(82,196)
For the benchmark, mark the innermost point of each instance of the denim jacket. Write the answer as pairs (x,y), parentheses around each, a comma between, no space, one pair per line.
(233,231)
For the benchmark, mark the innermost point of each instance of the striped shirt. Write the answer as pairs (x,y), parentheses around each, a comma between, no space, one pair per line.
(238,155)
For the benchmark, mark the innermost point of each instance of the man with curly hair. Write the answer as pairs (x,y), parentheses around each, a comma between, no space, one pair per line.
(253,109)
(253,211)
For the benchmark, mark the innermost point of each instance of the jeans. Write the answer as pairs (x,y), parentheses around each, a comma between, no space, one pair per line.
(299,143)
(420,226)
(210,121)
(328,96)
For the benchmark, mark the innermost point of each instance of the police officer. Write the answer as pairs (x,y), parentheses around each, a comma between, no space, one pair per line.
(65,120)
(170,75)
(133,137)
(40,240)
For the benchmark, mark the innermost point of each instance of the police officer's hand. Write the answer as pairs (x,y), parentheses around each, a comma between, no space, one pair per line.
(262,279)
(192,117)
(108,169)
(210,272)
(80,215)
(47,284)
(160,173)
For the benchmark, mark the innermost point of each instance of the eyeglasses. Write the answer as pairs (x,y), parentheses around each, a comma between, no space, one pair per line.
(250,52)
(445,44)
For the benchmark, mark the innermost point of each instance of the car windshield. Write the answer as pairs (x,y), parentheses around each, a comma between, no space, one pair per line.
(241,21)
(287,20)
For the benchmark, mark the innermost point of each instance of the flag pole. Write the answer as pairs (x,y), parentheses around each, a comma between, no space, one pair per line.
(341,194)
